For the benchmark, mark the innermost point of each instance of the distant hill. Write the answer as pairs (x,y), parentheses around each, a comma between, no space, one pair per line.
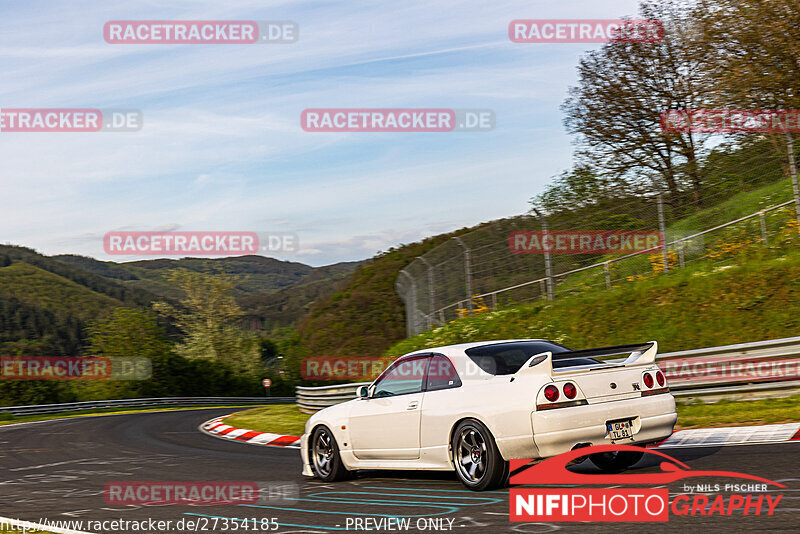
(39,288)
(91,281)
(45,304)
(46,301)
(287,306)
(272,292)
(365,316)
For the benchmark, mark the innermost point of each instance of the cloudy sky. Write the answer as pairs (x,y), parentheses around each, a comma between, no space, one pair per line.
(222,148)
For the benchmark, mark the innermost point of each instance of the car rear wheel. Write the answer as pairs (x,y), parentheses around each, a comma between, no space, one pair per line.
(325,459)
(477,460)
(615,461)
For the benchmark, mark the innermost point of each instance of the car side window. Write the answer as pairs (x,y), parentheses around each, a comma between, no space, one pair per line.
(441,374)
(402,377)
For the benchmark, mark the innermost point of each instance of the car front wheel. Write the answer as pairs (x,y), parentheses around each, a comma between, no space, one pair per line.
(325,458)
(477,460)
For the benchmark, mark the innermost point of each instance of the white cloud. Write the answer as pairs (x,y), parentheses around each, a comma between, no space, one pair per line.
(221,147)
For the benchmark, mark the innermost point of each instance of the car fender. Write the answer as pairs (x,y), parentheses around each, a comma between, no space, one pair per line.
(336,419)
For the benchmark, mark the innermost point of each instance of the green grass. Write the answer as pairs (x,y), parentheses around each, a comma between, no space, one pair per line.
(277,418)
(703,305)
(737,206)
(739,413)
(8,419)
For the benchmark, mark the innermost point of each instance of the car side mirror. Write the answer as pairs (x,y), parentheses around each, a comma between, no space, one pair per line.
(362,392)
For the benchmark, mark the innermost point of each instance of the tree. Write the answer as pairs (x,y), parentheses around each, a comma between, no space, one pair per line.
(756,46)
(209,318)
(127,333)
(624,87)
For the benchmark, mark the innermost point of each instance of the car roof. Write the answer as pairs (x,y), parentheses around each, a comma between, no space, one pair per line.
(465,367)
(460,348)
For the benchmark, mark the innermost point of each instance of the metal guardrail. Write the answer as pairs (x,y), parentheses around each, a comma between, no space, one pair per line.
(140,403)
(313,399)
(743,371)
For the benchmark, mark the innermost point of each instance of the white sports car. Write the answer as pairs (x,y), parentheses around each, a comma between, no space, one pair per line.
(472,407)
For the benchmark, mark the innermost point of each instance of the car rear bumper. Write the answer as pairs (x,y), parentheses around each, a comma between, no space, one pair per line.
(560,430)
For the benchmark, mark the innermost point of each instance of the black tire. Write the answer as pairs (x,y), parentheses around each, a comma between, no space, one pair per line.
(616,461)
(476,458)
(324,456)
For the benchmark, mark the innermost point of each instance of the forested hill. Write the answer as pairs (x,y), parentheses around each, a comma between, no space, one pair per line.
(46,302)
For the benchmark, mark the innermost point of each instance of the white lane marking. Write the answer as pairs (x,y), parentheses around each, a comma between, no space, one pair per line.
(737,435)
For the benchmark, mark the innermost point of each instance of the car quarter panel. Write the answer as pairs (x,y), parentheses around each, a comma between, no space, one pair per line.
(502,405)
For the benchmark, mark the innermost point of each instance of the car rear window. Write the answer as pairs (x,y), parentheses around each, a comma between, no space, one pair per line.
(507,358)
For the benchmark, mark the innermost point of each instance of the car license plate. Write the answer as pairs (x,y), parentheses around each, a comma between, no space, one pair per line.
(619,430)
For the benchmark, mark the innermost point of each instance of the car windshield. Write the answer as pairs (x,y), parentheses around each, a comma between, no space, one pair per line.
(507,358)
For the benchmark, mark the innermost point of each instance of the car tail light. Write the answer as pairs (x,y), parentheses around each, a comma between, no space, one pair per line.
(648,380)
(551,393)
(570,390)
(660,378)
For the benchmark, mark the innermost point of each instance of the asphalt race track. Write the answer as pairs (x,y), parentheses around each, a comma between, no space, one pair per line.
(57,470)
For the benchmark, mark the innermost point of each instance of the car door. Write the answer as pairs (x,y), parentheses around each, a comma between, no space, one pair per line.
(386,424)
(441,402)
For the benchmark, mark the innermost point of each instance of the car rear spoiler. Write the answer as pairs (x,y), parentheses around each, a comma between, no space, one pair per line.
(638,354)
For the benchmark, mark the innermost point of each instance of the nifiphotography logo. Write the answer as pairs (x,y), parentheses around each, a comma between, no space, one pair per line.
(630,504)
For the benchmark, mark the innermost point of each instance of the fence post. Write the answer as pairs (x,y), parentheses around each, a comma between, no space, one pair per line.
(467,273)
(494,301)
(763,219)
(662,226)
(681,258)
(608,275)
(548,266)
(411,307)
(431,298)
(414,308)
(793,173)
